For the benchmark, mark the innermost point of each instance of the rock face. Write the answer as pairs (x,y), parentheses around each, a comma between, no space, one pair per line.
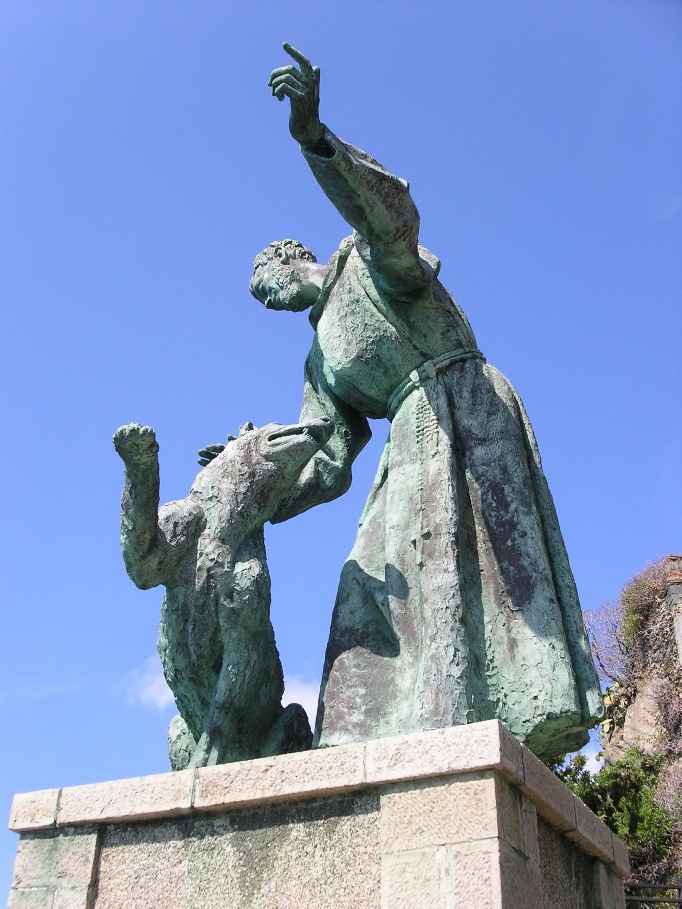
(642,725)
(652,716)
(640,647)
(675,599)
(216,641)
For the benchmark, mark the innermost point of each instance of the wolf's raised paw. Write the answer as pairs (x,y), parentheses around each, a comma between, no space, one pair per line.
(136,444)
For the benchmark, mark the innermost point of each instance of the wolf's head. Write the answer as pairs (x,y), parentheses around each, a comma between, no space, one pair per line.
(291,447)
(260,467)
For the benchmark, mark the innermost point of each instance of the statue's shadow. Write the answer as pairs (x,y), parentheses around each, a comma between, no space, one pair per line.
(362,615)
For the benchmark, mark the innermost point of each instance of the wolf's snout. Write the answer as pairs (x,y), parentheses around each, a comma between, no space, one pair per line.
(319,430)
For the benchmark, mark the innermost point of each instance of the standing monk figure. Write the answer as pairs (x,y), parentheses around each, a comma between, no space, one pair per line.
(457,602)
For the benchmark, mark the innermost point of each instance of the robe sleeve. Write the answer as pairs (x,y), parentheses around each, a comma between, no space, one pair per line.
(378,206)
(328,474)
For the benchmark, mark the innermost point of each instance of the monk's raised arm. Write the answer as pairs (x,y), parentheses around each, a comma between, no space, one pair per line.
(375,203)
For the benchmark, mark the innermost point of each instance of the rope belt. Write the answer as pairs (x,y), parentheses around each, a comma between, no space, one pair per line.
(426,371)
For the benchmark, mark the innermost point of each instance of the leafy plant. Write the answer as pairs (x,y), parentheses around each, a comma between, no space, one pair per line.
(640,795)
(639,598)
(623,795)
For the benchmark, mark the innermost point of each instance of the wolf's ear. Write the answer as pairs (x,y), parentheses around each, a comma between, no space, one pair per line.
(246,427)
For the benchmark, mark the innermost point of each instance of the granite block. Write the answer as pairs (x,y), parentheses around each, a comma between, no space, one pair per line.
(306,773)
(142,797)
(34,810)
(439,752)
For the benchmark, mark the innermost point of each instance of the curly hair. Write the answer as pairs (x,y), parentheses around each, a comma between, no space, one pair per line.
(283,249)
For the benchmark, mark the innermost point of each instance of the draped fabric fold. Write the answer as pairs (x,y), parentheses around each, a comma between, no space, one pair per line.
(457,603)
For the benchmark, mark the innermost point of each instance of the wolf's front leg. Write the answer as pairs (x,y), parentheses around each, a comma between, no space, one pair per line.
(144,549)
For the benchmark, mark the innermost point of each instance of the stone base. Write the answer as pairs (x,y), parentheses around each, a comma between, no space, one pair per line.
(449,819)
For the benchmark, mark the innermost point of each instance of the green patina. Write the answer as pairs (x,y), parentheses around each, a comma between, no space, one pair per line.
(216,641)
(457,602)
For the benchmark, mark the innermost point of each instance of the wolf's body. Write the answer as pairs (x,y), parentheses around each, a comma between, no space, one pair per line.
(216,641)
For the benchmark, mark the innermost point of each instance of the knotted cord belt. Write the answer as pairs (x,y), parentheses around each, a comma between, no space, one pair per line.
(426,371)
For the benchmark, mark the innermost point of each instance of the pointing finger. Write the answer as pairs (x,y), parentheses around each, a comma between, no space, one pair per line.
(300,58)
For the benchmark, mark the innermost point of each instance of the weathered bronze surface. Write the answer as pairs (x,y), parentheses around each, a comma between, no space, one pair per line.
(216,641)
(457,602)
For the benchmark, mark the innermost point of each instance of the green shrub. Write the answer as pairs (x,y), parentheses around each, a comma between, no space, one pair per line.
(623,796)
(640,596)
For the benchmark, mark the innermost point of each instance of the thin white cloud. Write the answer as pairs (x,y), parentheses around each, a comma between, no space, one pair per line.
(147,686)
(300,691)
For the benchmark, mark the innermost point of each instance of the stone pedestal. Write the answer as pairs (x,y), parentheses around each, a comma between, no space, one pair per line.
(449,819)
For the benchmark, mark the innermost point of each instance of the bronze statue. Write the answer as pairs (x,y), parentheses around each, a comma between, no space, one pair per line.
(457,602)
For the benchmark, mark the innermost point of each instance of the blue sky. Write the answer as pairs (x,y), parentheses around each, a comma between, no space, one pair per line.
(144,164)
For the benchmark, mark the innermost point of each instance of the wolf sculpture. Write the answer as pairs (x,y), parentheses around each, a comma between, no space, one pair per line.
(216,641)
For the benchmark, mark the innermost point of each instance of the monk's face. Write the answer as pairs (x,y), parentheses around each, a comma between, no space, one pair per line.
(281,286)
(293,285)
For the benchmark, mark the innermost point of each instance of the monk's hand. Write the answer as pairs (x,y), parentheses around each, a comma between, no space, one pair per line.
(302,87)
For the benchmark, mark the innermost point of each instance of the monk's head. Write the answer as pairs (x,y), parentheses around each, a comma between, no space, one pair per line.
(286,275)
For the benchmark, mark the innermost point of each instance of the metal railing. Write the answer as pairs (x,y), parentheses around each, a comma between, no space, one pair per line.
(656,896)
